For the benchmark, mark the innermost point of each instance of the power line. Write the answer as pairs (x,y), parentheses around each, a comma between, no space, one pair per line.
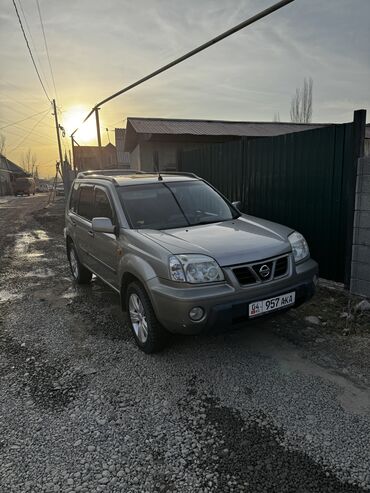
(191,53)
(40,143)
(33,44)
(30,51)
(24,119)
(46,47)
(29,133)
(19,132)
(21,113)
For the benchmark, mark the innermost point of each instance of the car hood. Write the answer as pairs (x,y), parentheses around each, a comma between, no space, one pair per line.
(242,240)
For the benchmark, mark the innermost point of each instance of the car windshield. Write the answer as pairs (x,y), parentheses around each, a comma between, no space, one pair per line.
(173,205)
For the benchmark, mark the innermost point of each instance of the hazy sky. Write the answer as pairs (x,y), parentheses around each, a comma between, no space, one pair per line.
(97,47)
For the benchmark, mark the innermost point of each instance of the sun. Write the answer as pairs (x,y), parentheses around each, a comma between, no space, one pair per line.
(73,119)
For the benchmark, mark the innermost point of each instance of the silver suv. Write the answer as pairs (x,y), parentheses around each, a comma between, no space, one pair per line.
(182,257)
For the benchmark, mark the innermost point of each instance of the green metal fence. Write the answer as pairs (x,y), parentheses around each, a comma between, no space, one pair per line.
(298,179)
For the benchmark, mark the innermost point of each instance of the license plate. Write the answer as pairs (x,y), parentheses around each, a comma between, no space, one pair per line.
(259,307)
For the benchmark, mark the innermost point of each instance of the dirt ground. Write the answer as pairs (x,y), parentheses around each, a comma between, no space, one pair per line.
(281,405)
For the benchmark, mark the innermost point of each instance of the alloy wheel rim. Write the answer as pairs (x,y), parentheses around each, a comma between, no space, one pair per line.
(138,318)
(73,262)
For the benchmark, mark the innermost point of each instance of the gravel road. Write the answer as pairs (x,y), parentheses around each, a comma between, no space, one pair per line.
(280,406)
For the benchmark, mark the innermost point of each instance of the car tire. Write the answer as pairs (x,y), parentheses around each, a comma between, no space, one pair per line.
(150,337)
(79,272)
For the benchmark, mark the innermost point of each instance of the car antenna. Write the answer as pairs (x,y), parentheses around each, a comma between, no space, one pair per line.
(159,173)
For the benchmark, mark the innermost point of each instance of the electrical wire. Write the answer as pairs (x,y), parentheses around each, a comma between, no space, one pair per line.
(36,136)
(29,133)
(30,51)
(190,54)
(24,119)
(21,113)
(34,47)
(46,48)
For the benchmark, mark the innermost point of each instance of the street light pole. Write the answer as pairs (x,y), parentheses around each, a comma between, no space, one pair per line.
(99,137)
(98,126)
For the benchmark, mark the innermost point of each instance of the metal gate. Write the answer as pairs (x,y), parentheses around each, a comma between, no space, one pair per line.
(303,180)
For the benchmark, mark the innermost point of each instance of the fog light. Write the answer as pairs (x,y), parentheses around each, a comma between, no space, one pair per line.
(196,313)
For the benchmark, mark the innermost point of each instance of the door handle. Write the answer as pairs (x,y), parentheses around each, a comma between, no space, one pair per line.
(91,233)
(73,223)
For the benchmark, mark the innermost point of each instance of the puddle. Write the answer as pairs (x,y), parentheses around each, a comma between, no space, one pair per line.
(25,240)
(42,273)
(70,294)
(8,296)
(35,254)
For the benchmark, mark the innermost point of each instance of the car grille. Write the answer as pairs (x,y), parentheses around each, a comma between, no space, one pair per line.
(261,272)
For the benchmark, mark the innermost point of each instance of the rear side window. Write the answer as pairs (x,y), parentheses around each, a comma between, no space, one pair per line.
(73,204)
(86,203)
(102,205)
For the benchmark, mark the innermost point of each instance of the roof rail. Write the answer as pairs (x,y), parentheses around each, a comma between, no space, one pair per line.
(106,175)
(184,173)
(98,177)
(175,173)
(108,172)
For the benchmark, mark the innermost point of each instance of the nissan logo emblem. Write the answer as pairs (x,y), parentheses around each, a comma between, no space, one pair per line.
(264,271)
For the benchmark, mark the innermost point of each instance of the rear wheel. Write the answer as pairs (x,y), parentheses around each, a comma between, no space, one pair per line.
(149,334)
(80,274)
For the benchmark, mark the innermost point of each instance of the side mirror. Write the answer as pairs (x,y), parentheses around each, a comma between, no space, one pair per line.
(103,225)
(237,205)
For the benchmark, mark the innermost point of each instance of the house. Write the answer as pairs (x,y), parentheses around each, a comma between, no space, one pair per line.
(9,171)
(91,157)
(155,142)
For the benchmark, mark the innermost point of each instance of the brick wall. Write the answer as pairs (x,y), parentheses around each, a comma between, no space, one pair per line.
(360,272)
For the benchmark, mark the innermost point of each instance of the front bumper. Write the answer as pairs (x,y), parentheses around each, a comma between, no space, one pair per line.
(224,304)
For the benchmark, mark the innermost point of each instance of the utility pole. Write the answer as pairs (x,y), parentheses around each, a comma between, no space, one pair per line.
(98,126)
(99,137)
(70,159)
(58,135)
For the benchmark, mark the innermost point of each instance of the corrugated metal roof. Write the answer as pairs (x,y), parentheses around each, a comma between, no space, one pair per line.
(215,127)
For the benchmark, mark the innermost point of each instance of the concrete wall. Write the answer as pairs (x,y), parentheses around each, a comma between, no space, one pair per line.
(360,272)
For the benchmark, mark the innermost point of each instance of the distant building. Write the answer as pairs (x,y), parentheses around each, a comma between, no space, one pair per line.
(9,171)
(158,141)
(91,157)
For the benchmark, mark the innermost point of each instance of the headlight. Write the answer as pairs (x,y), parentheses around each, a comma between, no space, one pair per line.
(299,246)
(194,269)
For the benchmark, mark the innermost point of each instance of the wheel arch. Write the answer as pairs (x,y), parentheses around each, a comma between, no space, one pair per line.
(127,279)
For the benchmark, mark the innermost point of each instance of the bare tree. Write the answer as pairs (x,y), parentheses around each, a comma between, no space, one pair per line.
(28,161)
(301,104)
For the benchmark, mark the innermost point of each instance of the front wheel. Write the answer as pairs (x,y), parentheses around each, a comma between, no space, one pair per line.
(149,334)
(80,274)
